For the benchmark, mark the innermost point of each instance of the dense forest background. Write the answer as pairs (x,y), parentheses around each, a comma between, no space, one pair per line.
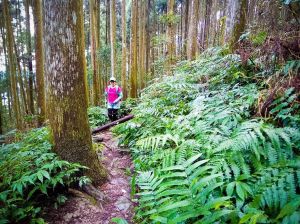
(148,39)
(213,86)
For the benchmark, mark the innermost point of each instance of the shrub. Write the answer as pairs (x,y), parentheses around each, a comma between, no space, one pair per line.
(97,116)
(30,174)
(202,156)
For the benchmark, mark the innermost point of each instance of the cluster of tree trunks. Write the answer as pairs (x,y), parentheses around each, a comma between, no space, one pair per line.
(158,31)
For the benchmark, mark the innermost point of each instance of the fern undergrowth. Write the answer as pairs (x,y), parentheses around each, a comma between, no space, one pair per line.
(203,156)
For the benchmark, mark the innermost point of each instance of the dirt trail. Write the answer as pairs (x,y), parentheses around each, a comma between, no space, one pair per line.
(81,209)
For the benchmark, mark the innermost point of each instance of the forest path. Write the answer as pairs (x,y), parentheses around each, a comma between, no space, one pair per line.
(80,208)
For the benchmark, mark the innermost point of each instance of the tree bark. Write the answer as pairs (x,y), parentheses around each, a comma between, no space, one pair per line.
(133,51)
(124,50)
(207,24)
(113,37)
(186,28)
(1,112)
(148,40)
(141,62)
(21,83)
(39,60)
(94,47)
(193,30)
(66,81)
(98,29)
(12,64)
(170,36)
(29,58)
(239,24)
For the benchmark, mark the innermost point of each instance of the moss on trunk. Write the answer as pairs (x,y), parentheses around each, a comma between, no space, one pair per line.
(239,25)
(66,84)
(39,58)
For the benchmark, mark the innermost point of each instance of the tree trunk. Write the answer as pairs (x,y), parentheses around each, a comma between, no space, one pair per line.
(12,64)
(1,112)
(186,28)
(29,58)
(94,47)
(124,50)
(133,51)
(148,40)
(107,40)
(141,62)
(170,36)
(39,60)
(66,80)
(239,25)
(98,28)
(21,83)
(113,37)
(207,23)
(193,30)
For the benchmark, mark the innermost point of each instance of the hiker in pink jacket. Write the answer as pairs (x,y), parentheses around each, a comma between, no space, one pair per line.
(113,95)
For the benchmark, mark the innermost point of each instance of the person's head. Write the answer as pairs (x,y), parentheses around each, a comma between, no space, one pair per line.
(112,81)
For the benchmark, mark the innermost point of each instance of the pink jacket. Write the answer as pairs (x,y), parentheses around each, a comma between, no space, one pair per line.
(113,96)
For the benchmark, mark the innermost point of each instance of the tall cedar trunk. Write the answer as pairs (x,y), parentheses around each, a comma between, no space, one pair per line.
(147,38)
(94,47)
(12,64)
(107,38)
(39,59)
(24,104)
(186,28)
(1,112)
(20,82)
(9,103)
(133,51)
(100,73)
(239,24)
(124,50)
(113,37)
(141,66)
(193,30)
(207,24)
(29,58)
(66,82)
(6,69)
(170,36)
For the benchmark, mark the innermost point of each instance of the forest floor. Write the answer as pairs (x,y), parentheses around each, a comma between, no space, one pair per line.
(82,208)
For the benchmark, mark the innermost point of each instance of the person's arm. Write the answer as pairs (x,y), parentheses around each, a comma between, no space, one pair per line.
(120,95)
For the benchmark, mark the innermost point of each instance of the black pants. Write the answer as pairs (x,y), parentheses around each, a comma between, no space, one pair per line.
(113,114)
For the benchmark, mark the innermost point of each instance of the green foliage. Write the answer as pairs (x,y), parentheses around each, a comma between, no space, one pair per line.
(169,19)
(202,156)
(119,221)
(286,109)
(290,66)
(288,2)
(97,116)
(259,38)
(127,106)
(31,174)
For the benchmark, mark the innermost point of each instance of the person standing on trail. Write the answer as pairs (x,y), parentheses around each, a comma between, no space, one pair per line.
(113,95)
